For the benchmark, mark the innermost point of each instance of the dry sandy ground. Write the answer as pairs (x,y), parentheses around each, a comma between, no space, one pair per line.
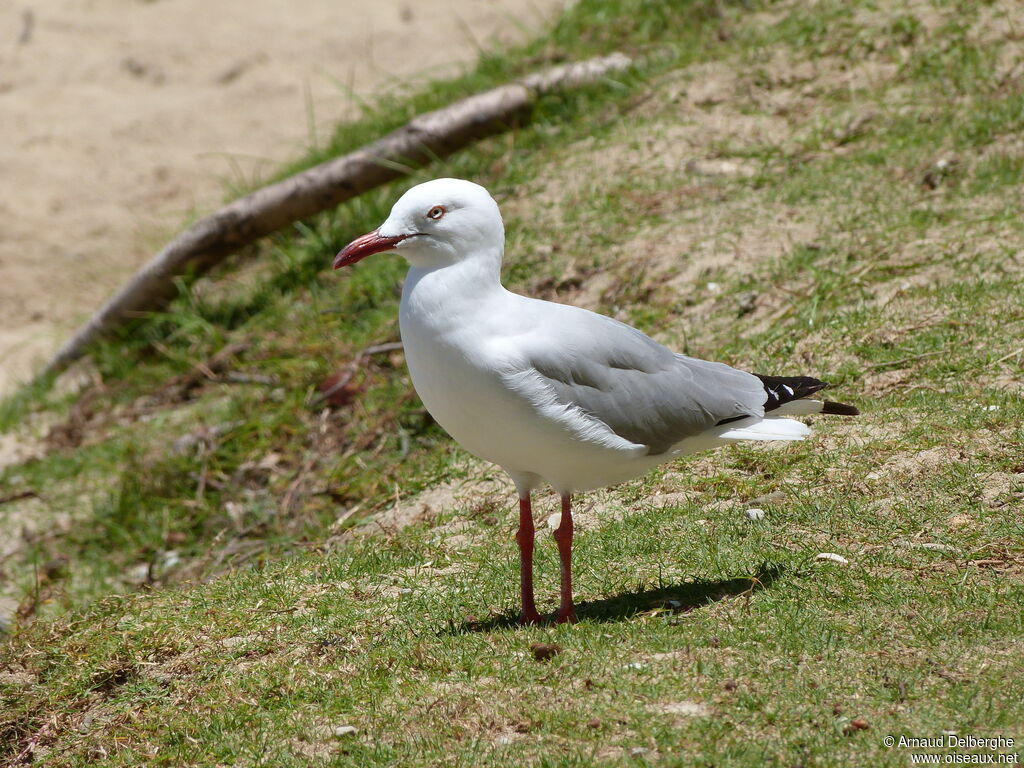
(120,117)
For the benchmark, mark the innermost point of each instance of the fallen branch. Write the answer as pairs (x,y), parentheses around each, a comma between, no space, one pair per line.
(267,210)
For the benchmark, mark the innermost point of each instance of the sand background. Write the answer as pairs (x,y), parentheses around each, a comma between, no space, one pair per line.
(119,118)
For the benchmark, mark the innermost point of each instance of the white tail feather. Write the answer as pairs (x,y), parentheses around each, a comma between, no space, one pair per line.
(801,407)
(766,429)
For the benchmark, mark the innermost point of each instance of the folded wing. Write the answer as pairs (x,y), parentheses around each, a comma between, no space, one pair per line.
(604,373)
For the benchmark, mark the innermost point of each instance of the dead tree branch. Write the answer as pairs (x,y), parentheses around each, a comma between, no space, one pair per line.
(267,210)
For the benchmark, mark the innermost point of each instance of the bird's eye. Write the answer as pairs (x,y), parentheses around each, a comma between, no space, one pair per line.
(436,212)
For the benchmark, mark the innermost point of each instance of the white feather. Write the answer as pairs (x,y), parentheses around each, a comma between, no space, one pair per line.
(767,429)
(802,407)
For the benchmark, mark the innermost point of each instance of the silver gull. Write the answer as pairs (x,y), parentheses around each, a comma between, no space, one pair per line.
(553,393)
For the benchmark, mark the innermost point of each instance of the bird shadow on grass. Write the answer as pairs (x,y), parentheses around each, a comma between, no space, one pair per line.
(669,600)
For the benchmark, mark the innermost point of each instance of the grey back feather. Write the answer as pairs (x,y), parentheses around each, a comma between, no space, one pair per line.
(640,390)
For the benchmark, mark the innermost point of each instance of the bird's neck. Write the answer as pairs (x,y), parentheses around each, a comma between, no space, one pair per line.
(440,294)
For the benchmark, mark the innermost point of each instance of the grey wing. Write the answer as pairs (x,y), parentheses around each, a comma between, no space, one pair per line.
(642,391)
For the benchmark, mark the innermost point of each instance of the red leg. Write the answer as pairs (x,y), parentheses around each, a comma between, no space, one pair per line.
(524,538)
(563,535)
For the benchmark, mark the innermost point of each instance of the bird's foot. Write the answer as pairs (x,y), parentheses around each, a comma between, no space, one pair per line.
(529,617)
(566,616)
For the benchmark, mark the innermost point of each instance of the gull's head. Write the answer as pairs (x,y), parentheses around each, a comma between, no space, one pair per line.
(435,224)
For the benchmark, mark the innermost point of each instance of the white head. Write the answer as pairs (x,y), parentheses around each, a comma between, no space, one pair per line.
(435,224)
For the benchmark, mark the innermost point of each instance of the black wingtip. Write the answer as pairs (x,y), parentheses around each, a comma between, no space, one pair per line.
(785,389)
(840,409)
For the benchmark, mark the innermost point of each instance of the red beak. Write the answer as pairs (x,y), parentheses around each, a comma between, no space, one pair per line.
(364,246)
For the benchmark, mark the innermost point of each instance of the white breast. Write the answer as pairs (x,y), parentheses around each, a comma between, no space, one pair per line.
(455,345)
(452,368)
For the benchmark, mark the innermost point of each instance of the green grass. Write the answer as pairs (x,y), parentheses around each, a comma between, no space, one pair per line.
(846,250)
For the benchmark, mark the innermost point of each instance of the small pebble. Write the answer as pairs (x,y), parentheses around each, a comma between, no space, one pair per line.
(343,730)
(831,556)
(755,514)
